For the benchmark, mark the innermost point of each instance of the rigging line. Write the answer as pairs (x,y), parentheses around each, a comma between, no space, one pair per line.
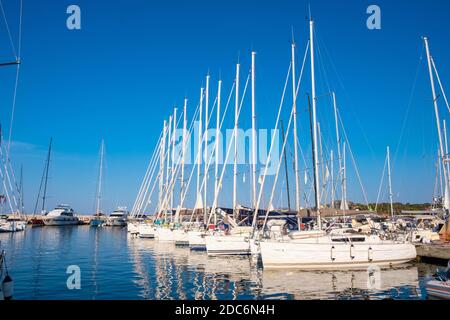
(353,159)
(8,30)
(381,183)
(408,109)
(261,188)
(440,84)
(13,111)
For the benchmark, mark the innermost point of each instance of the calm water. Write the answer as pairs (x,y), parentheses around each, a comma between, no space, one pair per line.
(116,265)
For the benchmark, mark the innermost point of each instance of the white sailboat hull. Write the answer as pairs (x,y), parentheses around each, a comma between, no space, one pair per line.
(132,227)
(227,245)
(328,255)
(180,237)
(146,230)
(164,234)
(196,240)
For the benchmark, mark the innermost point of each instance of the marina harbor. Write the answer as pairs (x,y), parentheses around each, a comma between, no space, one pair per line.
(175,156)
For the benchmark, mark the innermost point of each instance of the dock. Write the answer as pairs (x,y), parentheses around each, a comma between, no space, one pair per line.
(438,251)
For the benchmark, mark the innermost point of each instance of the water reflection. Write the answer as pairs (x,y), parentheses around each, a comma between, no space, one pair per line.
(116,265)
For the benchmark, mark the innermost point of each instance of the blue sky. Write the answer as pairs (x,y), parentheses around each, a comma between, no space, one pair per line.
(132,61)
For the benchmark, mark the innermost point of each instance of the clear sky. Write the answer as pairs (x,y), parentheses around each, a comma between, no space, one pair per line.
(132,61)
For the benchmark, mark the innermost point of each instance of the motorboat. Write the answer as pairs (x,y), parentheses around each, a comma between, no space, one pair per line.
(439,287)
(62,215)
(118,218)
(12,224)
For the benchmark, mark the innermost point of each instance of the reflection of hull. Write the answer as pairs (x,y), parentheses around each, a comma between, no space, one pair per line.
(438,289)
(164,234)
(227,245)
(196,240)
(146,230)
(180,237)
(332,284)
(323,254)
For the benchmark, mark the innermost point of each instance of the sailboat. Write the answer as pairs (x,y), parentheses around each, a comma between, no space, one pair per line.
(15,221)
(37,222)
(98,220)
(328,249)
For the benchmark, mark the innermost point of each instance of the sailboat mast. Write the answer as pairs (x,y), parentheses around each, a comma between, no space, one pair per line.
(44,196)
(438,124)
(389,179)
(314,115)
(183,154)
(447,164)
(199,152)
(294,100)
(338,142)
(236,115)
(174,161)
(344,207)
(205,177)
(216,172)
(162,151)
(21,191)
(286,167)
(100,173)
(253,131)
(332,178)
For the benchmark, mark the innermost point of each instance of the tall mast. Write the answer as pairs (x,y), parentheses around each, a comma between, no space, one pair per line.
(199,145)
(344,205)
(447,164)
(314,115)
(253,131)
(294,100)
(216,172)
(338,142)
(100,173)
(44,196)
(286,167)
(183,157)
(21,191)
(438,124)
(169,139)
(205,177)
(162,151)
(332,178)
(173,154)
(390,182)
(236,115)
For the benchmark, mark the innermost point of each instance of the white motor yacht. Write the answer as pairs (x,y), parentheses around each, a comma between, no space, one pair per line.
(118,218)
(62,215)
